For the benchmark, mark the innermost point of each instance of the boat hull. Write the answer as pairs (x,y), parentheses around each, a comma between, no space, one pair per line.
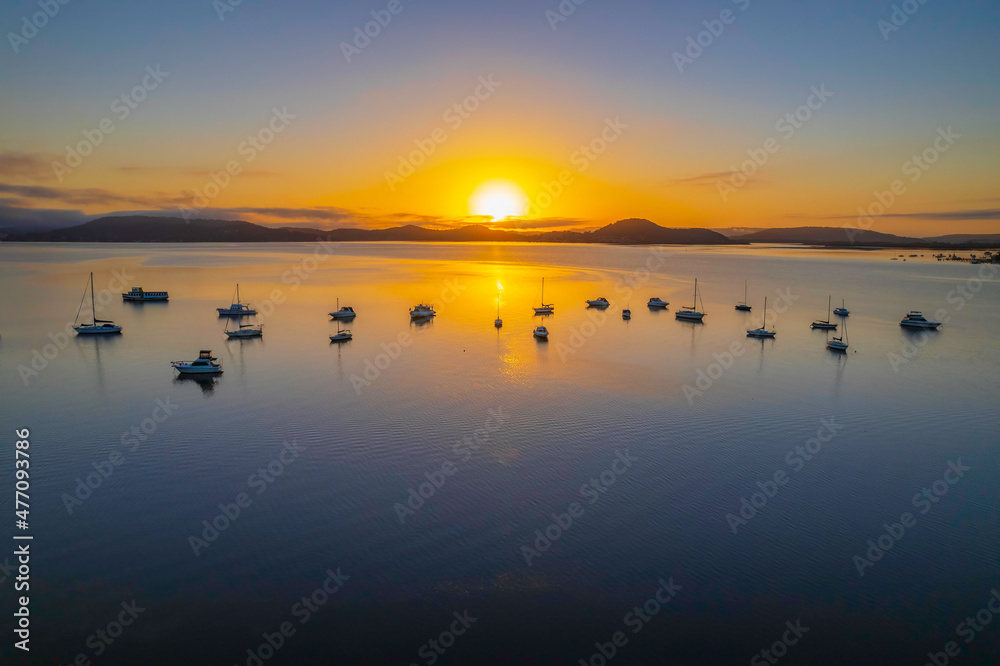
(841,312)
(545,310)
(920,324)
(833,345)
(245,334)
(143,298)
(341,337)
(822,325)
(760,333)
(343,315)
(743,308)
(197,370)
(598,304)
(97,330)
(689,315)
(229,312)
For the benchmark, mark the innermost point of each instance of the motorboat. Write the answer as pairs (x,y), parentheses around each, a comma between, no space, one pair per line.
(744,306)
(422,311)
(842,311)
(762,332)
(691,313)
(205,364)
(345,312)
(96,326)
(915,319)
(139,295)
(541,332)
(544,308)
(655,302)
(599,302)
(237,309)
(824,324)
(626,314)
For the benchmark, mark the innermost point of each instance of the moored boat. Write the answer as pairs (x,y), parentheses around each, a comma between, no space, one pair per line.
(140,295)
(205,364)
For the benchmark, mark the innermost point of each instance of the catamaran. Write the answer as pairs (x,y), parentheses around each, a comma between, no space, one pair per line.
(237,309)
(825,324)
(546,308)
(96,326)
(762,332)
(692,313)
(744,307)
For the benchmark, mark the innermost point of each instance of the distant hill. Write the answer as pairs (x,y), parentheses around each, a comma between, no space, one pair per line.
(828,236)
(991,239)
(151,229)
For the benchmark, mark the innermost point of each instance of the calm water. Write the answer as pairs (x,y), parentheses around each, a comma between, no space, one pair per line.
(903,406)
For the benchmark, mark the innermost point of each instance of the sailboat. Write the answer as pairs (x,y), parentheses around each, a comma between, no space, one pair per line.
(744,307)
(691,313)
(761,332)
(97,326)
(498,322)
(842,311)
(825,324)
(343,334)
(245,330)
(546,308)
(838,344)
(237,309)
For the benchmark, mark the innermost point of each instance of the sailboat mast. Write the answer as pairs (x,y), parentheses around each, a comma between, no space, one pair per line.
(93,306)
(543,291)
(237,292)
(828,300)
(744,292)
(765,313)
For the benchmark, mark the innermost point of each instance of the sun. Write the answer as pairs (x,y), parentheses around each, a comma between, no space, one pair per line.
(498,198)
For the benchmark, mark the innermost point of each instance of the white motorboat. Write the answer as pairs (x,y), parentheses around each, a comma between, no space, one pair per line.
(842,311)
(205,364)
(422,311)
(599,302)
(915,319)
(824,324)
(691,313)
(237,309)
(345,312)
(139,295)
(655,302)
(544,308)
(744,306)
(626,314)
(96,326)
(541,332)
(762,332)
(246,331)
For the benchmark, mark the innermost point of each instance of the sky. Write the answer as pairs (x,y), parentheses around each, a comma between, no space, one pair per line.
(525,115)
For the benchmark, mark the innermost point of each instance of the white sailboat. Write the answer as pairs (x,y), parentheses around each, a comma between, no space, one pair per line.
(237,309)
(842,311)
(692,313)
(245,330)
(343,334)
(838,344)
(825,324)
(498,322)
(546,308)
(744,306)
(762,332)
(96,326)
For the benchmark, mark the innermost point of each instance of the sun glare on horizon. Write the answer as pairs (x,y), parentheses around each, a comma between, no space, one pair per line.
(498,198)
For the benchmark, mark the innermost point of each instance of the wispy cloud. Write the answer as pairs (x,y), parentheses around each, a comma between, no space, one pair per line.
(29,166)
(943,215)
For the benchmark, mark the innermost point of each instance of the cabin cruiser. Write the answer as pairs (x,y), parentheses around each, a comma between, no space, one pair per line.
(541,332)
(343,312)
(599,302)
(626,314)
(205,364)
(422,311)
(914,319)
(139,295)
(655,302)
